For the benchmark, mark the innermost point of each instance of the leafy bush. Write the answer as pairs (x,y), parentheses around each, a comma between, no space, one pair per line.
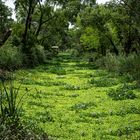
(131,109)
(125,130)
(10,57)
(122,93)
(35,55)
(103,82)
(38,54)
(129,65)
(110,62)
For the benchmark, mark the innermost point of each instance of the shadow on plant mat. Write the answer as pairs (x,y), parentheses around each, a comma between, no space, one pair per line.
(70,100)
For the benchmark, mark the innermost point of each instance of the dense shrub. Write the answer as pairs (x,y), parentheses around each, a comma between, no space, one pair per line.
(122,93)
(110,62)
(34,55)
(38,54)
(129,65)
(103,82)
(10,57)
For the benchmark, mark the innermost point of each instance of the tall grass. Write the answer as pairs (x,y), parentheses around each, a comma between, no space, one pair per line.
(10,101)
(11,125)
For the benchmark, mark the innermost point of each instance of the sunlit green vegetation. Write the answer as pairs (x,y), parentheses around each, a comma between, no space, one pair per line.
(70,106)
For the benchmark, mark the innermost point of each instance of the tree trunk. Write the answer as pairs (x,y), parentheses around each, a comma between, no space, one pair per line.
(40,24)
(128,43)
(115,50)
(27,24)
(128,46)
(6,36)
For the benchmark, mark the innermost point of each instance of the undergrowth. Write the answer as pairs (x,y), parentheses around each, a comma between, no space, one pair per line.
(12,126)
(79,103)
(122,93)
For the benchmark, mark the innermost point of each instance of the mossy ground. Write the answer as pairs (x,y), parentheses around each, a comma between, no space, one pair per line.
(68,99)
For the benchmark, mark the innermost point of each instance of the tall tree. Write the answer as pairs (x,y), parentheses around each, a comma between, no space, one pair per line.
(5,22)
